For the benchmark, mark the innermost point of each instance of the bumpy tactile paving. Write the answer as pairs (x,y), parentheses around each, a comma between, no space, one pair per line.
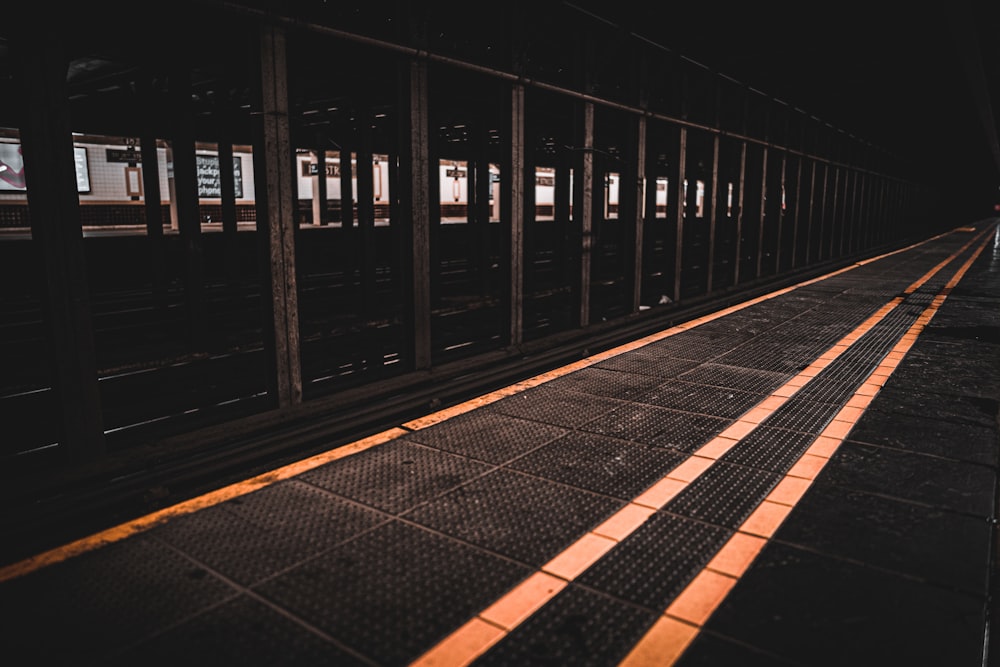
(552,406)
(578,627)
(244,631)
(661,427)
(517,515)
(78,611)
(254,536)
(824,390)
(396,475)
(724,495)
(653,564)
(803,416)
(488,436)
(393,592)
(770,449)
(702,399)
(598,463)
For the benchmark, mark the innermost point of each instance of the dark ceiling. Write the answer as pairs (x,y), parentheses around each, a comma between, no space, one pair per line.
(922,84)
(922,80)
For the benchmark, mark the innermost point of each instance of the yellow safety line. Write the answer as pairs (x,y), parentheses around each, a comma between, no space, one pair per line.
(480,633)
(667,639)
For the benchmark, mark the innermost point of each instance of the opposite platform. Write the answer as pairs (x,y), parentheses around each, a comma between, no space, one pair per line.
(808,478)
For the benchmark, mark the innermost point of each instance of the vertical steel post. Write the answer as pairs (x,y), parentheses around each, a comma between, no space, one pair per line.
(53,201)
(797,213)
(812,207)
(186,199)
(739,214)
(586,212)
(319,213)
(366,209)
(280,198)
(152,195)
(420,210)
(515,200)
(713,200)
(781,214)
(681,208)
(763,210)
(639,217)
(346,181)
(227,195)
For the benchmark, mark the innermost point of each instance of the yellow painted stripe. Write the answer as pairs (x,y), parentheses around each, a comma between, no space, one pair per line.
(148,521)
(698,601)
(464,645)
(688,613)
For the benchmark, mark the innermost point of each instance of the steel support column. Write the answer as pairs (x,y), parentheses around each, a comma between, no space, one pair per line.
(514,217)
(227,195)
(739,214)
(420,213)
(275,167)
(763,211)
(585,210)
(185,178)
(681,208)
(639,218)
(796,213)
(151,194)
(712,215)
(49,167)
(319,195)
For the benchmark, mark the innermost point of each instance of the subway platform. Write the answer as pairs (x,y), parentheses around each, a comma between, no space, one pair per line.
(807,478)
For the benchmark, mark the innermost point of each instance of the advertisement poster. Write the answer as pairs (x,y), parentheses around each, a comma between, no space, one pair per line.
(12,169)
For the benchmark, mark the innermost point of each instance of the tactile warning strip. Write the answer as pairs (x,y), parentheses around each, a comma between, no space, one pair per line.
(653,564)
(770,449)
(724,495)
(578,627)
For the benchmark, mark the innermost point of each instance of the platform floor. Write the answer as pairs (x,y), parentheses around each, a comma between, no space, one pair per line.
(809,478)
